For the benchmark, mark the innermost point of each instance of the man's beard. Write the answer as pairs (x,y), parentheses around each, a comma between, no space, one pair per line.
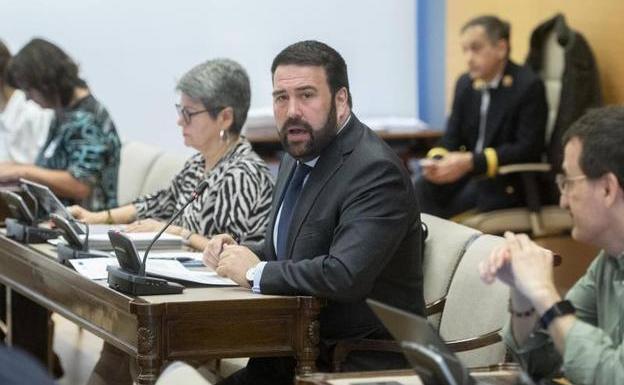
(318,139)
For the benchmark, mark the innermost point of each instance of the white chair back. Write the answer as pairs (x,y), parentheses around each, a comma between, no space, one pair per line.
(444,247)
(473,308)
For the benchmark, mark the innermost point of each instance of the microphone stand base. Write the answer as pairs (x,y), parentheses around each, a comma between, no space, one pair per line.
(28,234)
(65,252)
(136,285)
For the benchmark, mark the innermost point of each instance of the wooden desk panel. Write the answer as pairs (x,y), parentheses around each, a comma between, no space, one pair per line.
(196,325)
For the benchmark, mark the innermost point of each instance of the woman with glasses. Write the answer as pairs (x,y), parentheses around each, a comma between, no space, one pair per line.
(214,100)
(80,157)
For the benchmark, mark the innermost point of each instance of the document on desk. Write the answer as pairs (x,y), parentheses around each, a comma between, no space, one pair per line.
(100,241)
(95,268)
(379,380)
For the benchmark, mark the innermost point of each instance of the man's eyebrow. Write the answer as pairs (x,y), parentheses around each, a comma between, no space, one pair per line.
(306,88)
(278,92)
(298,89)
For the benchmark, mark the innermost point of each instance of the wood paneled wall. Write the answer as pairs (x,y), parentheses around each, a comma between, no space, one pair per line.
(600,21)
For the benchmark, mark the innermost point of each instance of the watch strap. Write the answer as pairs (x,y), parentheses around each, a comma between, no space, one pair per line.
(557,310)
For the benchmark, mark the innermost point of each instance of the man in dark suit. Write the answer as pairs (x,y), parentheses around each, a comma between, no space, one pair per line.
(498,117)
(344,223)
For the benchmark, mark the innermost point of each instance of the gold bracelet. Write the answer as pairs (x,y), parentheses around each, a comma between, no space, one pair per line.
(109,217)
(186,235)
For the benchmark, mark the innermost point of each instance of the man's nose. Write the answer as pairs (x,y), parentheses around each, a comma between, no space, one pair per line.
(294,110)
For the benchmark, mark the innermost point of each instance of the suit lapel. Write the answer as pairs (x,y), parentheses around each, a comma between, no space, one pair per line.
(322,172)
(284,176)
(329,163)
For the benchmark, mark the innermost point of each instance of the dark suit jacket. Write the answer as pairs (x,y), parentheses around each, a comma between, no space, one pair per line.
(580,84)
(515,129)
(355,234)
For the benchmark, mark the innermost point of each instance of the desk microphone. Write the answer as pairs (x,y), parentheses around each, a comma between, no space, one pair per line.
(194,195)
(130,277)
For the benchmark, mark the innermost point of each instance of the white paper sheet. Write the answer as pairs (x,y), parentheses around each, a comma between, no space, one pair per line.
(95,268)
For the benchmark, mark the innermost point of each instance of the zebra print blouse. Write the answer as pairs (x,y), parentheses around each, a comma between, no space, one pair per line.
(237,200)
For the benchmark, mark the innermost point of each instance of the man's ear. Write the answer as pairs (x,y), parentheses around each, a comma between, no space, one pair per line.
(342,102)
(502,49)
(612,189)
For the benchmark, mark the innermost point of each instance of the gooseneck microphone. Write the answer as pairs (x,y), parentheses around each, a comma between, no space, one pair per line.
(194,195)
(130,277)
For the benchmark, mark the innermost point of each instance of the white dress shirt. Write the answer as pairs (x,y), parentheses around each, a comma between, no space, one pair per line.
(24,127)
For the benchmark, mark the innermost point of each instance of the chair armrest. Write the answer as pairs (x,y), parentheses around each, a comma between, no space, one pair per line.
(435,307)
(475,342)
(345,347)
(524,167)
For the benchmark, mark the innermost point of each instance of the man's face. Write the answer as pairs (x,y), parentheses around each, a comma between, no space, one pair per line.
(582,197)
(305,112)
(483,58)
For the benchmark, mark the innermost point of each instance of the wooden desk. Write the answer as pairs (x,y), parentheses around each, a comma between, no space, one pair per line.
(199,324)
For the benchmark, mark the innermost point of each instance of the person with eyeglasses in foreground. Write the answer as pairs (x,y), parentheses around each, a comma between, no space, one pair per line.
(579,336)
(214,101)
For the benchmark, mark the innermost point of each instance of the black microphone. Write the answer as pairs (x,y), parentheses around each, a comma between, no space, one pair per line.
(194,195)
(130,276)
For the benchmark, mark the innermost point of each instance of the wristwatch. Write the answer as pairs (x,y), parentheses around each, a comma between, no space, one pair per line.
(249,276)
(556,310)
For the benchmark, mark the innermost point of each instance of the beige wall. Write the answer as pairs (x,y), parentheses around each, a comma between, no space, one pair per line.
(600,21)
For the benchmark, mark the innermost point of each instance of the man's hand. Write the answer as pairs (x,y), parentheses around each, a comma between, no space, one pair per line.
(12,172)
(524,266)
(145,226)
(234,262)
(532,268)
(497,265)
(213,249)
(452,167)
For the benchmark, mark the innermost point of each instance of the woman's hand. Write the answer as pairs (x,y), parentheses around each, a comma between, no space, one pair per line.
(87,216)
(145,226)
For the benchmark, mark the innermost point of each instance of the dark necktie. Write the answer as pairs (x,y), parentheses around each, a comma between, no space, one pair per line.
(288,207)
(483,110)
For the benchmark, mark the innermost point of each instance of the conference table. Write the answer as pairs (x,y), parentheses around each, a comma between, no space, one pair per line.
(199,324)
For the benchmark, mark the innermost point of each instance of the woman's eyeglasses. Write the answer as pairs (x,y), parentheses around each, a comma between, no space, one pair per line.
(187,115)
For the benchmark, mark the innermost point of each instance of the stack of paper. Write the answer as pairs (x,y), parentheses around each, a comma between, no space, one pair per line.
(95,268)
(100,241)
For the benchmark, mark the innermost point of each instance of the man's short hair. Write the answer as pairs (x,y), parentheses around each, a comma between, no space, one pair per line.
(601,131)
(315,53)
(5,56)
(495,28)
